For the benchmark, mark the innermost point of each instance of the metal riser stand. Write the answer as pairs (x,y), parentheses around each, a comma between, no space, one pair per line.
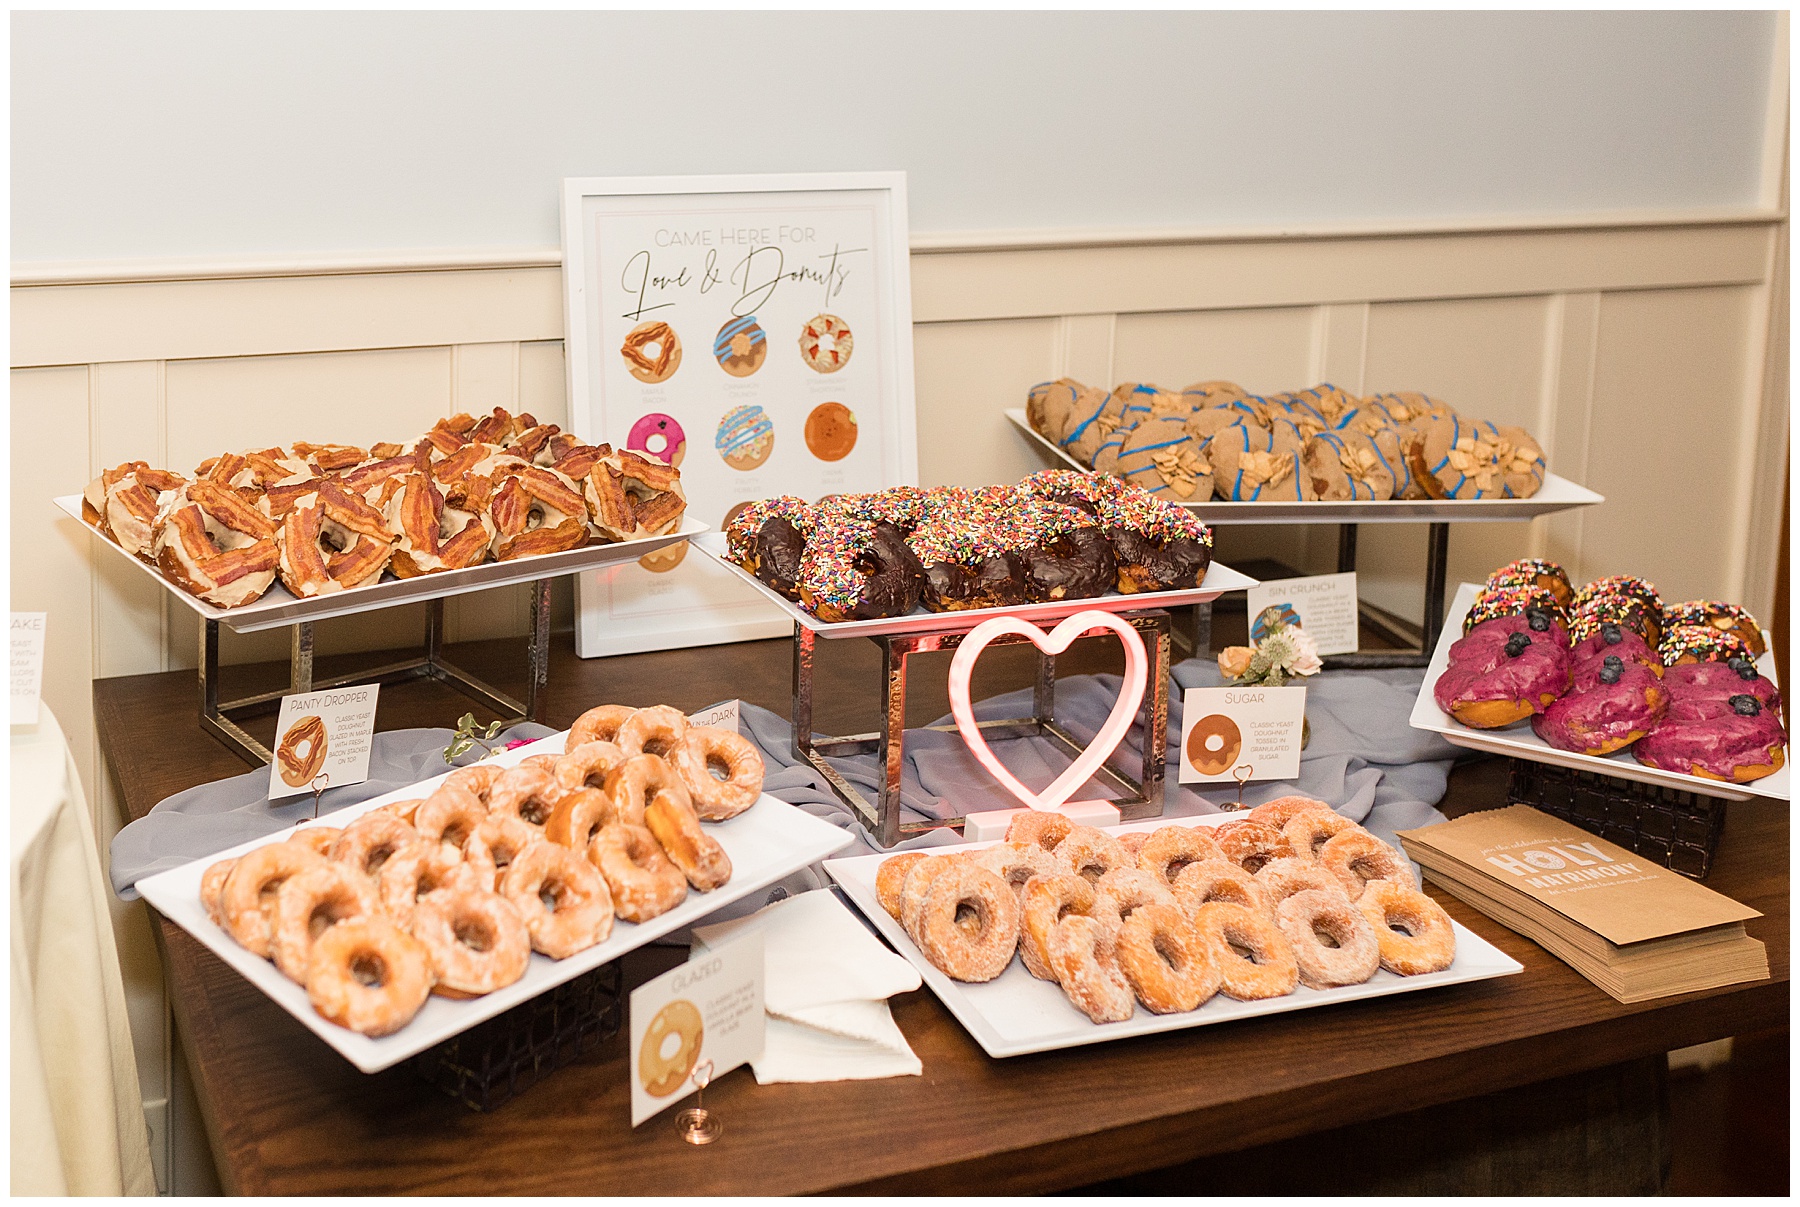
(216,715)
(1143,796)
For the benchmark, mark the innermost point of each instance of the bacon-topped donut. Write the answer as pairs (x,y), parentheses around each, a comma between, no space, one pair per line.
(569,454)
(123,503)
(631,496)
(212,544)
(536,510)
(431,534)
(332,540)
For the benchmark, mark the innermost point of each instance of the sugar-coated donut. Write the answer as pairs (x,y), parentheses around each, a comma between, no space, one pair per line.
(477,940)
(311,902)
(1415,934)
(370,841)
(698,854)
(423,867)
(1133,888)
(1167,963)
(1283,809)
(918,883)
(715,797)
(1308,832)
(1133,841)
(1039,826)
(1219,880)
(891,875)
(587,765)
(1083,957)
(1048,901)
(1282,878)
(528,793)
(248,898)
(657,731)
(1092,853)
(369,976)
(1250,844)
(663,1075)
(1358,858)
(579,816)
(565,902)
(599,724)
(969,893)
(1166,851)
(640,877)
(1353,955)
(1268,970)
(1017,862)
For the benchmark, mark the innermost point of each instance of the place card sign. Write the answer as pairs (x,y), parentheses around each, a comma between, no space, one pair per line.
(1239,734)
(27,666)
(322,740)
(708,1013)
(1324,605)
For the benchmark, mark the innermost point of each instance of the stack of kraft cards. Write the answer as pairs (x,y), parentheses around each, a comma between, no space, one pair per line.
(1635,929)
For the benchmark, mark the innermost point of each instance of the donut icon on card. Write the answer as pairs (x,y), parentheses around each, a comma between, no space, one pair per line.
(741,347)
(301,754)
(665,559)
(1213,744)
(826,343)
(831,431)
(652,352)
(659,437)
(670,1048)
(745,437)
(1273,617)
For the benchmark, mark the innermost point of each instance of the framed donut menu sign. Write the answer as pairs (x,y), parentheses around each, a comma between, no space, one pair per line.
(756,332)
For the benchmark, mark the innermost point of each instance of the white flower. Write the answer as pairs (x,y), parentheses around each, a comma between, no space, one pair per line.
(1306,653)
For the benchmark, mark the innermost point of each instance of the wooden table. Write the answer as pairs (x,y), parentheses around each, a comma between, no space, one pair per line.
(288,1116)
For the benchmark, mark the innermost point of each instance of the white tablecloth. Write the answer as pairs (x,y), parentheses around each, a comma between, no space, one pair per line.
(77,1115)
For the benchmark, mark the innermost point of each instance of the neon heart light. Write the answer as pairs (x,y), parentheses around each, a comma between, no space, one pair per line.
(1131,695)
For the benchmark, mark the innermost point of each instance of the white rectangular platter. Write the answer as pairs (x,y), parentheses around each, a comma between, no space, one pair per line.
(1219,579)
(1016,1014)
(1520,742)
(766,842)
(1556,494)
(279,608)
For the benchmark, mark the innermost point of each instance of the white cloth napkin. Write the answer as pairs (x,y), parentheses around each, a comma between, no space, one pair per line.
(826,983)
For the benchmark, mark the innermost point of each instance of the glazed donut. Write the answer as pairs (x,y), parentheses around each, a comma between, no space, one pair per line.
(1308,831)
(657,731)
(1091,853)
(1267,971)
(640,877)
(537,510)
(1358,858)
(1166,851)
(1048,901)
(1283,809)
(599,725)
(1219,880)
(982,951)
(430,535)
(565,901)
(663,1075)
(1084,960)
(579,816)
(477,940)
(1017,862)
(1038,826)
(248,897)
(1133,888)
(640,779)
(399,810)
(369,841)
(1282,878)
(451,815)
(506,838)
(586,765)
(212,886)
(527,793)
(311,902)
(301,755)
(547,761)
(1250,844)
(718,798)
(826,343)
(1165,961)
(369,976)
(477,781)
(891,875)
(215,546)
(318,839)
(698,854)
(332,541)
(418,869)
(1353,954)
(629,496)
(1414,933)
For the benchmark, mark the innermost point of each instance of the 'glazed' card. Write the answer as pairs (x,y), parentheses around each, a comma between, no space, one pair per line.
(693,1024)
(323,738)
(1239,734)
(1324,605)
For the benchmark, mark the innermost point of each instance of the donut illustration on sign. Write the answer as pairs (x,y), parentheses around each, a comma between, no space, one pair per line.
(1213,744)
(825,343)
(658,436)
(652,352)
(670,1048)
(745,437)
(1273,617)
(741,347)
(831,431)
(301,754)
(665,559)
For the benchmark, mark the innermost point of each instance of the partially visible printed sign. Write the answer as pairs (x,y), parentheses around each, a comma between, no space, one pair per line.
(1324,605)
(322,740)
(708,1010)
(27,665)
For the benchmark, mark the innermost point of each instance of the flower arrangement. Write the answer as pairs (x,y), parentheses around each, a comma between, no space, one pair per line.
(1288,652)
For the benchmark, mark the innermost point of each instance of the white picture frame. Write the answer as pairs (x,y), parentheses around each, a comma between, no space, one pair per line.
(752,411)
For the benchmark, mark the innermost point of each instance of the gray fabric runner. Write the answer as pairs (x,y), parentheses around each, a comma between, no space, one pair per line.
(1364,758)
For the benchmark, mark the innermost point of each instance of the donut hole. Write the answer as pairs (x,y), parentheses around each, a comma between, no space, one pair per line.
(670,1046)
(970,917)
(368,968)
(1240,951)
(377,856)
(327,914)
(429,882)
(1091,872)
(1168,952)
(660,745)
(1255,863)
(1175,867)
(457,833)
(718,767)
(1405,926)
(551,893)
(1325,937)
(477,934)
(265,896)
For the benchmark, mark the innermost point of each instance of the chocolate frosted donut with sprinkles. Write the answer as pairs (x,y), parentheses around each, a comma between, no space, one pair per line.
(966,565)
(1061,550)
(855,570)
(768,538)
(1158,546)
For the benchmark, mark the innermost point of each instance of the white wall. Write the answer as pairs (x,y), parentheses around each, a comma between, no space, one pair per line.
(216,135)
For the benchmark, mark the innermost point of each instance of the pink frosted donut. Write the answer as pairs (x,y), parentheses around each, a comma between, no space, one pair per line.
(659,436)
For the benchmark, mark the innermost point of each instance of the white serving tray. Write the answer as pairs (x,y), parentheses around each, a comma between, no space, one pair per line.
(279,608)
(769,840)
(1556,494)
(1016,1014)
(1219,579)
(1521,742)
